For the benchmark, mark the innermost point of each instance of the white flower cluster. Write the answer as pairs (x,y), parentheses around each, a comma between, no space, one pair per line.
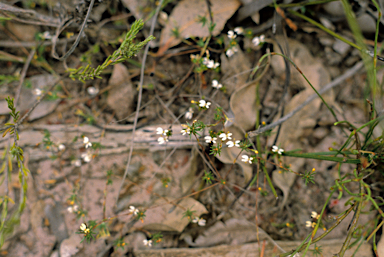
(232,34)
(164,135)
(211,64)
(200,221)
(223,137)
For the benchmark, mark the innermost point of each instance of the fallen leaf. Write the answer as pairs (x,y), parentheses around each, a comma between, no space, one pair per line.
(185,18)
(160,218)
(122,94)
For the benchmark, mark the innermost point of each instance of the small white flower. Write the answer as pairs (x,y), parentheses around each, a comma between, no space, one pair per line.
(204,104)
(231,34)
(314,215)
(239,30)
(189,114)
(225,136)
(231,51)
(70,209)
(209,139)
(246,158)
(210,64)
(83,227)
(215,84)
(185,131)
(75,208)
(230,144)
(162,140)
(215,65)
(276,149)
(87,157)
(147,242)
(200,221)
(258,40)
(61,147)
(133,210)
(159,131)
(310,224)
(86,142)
(92,91)
(37,92)
(205,61)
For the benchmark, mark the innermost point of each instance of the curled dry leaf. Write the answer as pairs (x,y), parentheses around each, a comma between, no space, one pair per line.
(184,18)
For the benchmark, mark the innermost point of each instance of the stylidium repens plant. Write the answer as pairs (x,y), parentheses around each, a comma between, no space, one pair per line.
(207,124)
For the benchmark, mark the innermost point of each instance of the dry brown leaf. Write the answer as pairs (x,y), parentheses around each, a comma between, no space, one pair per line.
(120,97)
(184,18)
(160,218)
(137,7)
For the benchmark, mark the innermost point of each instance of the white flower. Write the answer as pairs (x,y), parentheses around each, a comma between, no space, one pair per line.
(193,56)
(92,91)
(61,147)
(276,149)
(87,157)
(209,139)
(231,51)
(147,242)
(205,61)
(225,136)
(310,224)
(189,114)
(200,221)
(314,215)
(83,227)
(37,92)
(230,144)
(216,65)
(162,140)
(185,131)
(211,64)
(159,131)
(204,104)
(215,84)
(246,158)
(133,210)
(86,142)
(258,40)
(231,34)
(239,30)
